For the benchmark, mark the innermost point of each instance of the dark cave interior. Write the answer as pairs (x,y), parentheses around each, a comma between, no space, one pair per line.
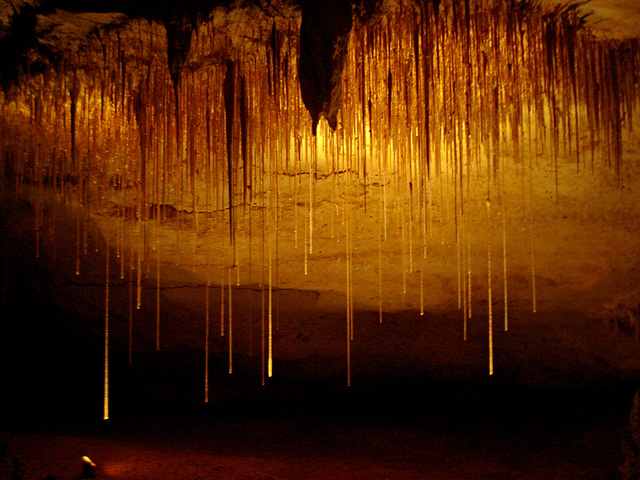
(350,239)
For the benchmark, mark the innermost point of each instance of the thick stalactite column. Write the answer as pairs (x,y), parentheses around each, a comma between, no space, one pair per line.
(230,104)
(324,32)
(179,27)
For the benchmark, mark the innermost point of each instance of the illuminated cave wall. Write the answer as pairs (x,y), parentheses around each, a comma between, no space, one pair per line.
(448,136)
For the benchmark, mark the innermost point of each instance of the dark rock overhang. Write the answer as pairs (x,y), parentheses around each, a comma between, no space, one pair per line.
(26,45)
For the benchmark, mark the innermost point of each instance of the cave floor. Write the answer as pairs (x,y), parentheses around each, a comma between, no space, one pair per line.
(440,432)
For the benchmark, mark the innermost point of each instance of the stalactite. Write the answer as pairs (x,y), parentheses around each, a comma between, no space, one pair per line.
(157,247)
(206,340)
(131,269)
(414,110)
(230,104)
(230,336)
(105,409)
(489,288)
(222,302)
(349,281)
(505,281)
(534,299)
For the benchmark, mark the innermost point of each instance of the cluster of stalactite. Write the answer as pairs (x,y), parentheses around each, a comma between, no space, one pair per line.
(435,97)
